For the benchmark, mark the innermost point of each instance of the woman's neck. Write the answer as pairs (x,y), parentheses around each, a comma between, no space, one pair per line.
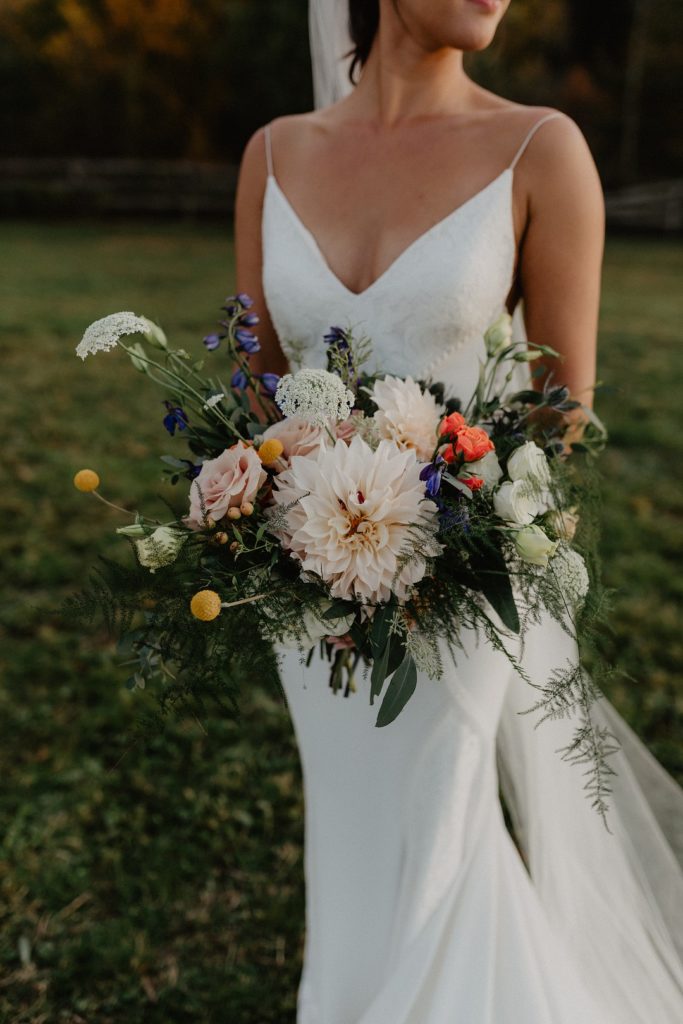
(401,80)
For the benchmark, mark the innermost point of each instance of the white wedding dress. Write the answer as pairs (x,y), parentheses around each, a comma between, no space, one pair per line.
(419,907)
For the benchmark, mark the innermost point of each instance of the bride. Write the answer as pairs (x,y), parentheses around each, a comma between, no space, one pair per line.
(418,206)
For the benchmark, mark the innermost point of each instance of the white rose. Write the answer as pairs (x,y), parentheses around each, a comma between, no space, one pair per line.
(515,502)
(499,335)
(534,546)
(488,468)
(160,548)
(528,462)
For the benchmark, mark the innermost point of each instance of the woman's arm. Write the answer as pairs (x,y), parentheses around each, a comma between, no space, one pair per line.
(562,250)
(251,185)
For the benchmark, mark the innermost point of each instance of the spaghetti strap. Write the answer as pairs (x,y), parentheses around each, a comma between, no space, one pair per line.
(269,152)
(546,117)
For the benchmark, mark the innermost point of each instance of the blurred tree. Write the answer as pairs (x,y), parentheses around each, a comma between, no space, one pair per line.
(172,78)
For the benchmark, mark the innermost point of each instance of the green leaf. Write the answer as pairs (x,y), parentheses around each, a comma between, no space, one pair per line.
(338,609)
(380,671)
(488,565)
(381,623)
(399,691)
(529,397)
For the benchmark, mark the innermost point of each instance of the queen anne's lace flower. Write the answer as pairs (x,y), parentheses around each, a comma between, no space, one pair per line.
(570,574)
(357,513)
(104,334)
(407,415)
(160,548)
(315,396)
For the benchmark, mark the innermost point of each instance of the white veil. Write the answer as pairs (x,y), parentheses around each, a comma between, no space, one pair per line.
(615,898)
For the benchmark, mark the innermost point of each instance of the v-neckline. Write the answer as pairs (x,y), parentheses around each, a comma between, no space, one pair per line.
(421,238)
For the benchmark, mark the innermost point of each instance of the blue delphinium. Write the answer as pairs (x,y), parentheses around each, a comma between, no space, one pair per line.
(246,341)
(337,336)
(212,341)
(431,475)
(269,383)
(175,417)
(239,380)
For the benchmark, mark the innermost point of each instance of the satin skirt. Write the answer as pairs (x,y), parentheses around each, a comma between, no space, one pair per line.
(419,906)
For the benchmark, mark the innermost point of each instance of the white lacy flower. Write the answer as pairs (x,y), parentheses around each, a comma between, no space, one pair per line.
(407,415)
(571,575)
(534,546)
(160,548)
(104,334)
(356,513)
(516,503)
(315,396)
(529,462)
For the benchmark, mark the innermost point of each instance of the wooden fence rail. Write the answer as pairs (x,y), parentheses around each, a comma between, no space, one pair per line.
(80,187)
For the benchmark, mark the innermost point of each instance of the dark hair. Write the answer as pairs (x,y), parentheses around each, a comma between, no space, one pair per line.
(363,22)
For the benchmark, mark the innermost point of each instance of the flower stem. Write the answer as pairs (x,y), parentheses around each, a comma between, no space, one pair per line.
(111,504)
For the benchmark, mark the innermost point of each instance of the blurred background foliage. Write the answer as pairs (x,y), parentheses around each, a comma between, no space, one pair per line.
(172,78)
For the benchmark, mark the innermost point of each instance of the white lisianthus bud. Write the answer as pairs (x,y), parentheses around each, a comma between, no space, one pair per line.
(528,462)
(135,531)
(498,335)
(528,356)
(154,335)
(138,357)
(515,502)
(160,548)
(488,468)
(534,546)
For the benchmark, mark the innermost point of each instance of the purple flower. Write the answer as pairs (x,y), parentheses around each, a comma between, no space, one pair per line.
(249,319)
(175,417)
(230,309)
(247,341)
(269,383)
(244,300)
(431,475)
(212,341)
(239,380)
(337,336)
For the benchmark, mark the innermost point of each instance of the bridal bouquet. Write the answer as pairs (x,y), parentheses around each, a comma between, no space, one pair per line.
(369,514)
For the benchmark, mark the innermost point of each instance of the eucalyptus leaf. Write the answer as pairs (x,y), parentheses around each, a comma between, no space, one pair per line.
(399,691)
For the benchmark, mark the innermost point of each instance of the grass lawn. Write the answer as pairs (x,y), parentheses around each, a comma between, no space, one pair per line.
(162,881)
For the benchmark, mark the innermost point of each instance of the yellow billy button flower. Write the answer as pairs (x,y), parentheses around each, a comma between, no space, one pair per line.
(205,605)
(86,480)
(270,451)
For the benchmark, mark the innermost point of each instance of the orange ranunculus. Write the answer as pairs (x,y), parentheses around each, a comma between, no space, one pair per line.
(451,424)
(473,443)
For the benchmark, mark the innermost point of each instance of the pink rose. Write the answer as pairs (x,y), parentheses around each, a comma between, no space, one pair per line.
(345,431)
(225,482)
(296,436)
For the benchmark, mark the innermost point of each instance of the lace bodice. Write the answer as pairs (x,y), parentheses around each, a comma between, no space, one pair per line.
(426,313)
